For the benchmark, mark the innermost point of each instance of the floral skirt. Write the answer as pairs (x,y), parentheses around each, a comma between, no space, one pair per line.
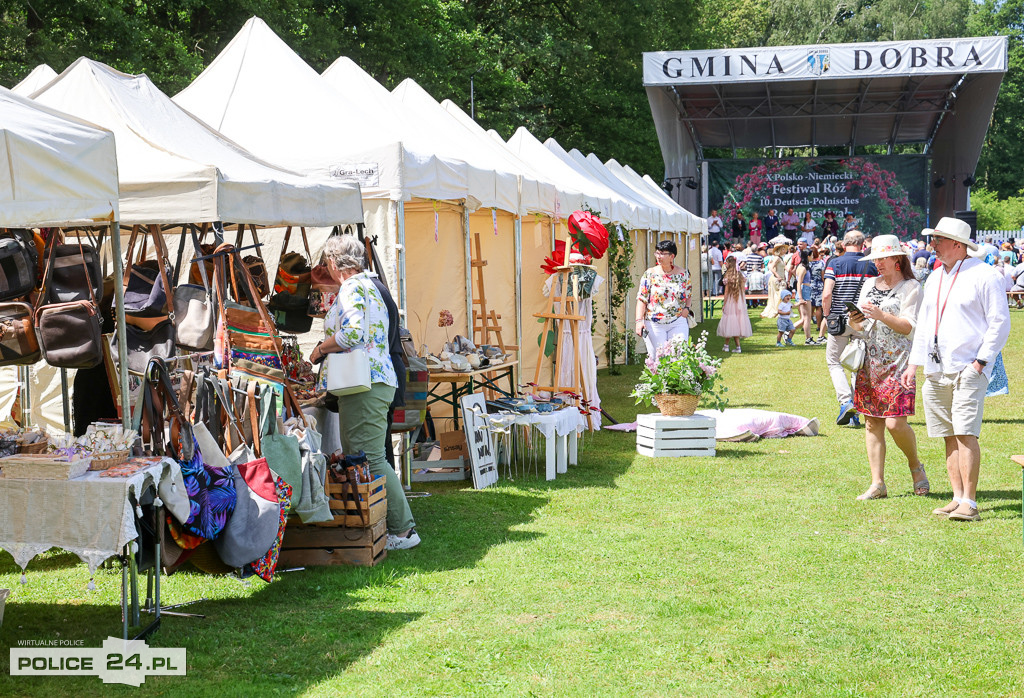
(879,393)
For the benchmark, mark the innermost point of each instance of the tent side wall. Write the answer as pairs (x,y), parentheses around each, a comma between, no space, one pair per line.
(497,249)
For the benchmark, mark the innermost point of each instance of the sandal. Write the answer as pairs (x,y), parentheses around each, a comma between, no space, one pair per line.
(922,486)
(876,491)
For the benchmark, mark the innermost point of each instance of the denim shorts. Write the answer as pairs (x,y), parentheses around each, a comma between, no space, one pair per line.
(785,324)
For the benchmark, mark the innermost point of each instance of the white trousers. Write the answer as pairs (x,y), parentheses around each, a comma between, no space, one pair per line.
(660,332)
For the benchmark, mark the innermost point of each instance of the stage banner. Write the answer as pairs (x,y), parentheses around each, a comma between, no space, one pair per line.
(887,194)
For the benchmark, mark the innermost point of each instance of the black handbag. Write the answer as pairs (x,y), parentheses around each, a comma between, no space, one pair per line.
(289,312)
(19,264)
(75,273)
(836,324)
(69,333)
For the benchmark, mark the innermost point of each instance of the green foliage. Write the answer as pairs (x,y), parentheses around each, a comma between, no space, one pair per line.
(620,253)
(681,367)
(995,213)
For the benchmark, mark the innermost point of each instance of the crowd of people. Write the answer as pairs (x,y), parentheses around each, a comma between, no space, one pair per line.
(883,309)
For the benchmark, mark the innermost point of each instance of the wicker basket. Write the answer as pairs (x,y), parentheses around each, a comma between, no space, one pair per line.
(34,447)
(109,459)
(677,405)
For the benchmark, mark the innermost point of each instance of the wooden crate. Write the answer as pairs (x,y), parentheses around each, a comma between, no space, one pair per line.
(673,437)
(372,503)
(316,546)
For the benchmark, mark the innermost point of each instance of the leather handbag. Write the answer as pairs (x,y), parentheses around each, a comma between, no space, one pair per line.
(323,290)
(852,358)
(194,316)
(294,274)
(254,264)
(147,287)
(75,273)
(249,328)
(69,333)
(19,264)
(18,343)
(145,345)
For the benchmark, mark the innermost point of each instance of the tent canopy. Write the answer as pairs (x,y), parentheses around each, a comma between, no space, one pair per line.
(174,169)
(938,92)
(34,81)
(57,170)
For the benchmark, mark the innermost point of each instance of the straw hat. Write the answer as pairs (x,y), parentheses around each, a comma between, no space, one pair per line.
(955,229)
(885,246)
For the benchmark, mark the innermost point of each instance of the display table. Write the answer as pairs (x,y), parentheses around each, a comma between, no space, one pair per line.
(466,383)
(90,516)
(561,430)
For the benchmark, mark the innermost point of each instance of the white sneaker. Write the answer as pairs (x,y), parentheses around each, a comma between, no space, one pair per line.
(410,540)
(738,350)
(726,348)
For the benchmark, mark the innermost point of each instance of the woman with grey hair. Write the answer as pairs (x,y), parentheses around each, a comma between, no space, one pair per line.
(363,416)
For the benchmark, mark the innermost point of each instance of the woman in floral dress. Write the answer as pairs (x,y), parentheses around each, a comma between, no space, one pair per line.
(359,312)
(663,299)
(888,304)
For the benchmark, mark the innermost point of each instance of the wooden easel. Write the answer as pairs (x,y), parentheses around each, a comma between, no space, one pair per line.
(485,322)
(566,283)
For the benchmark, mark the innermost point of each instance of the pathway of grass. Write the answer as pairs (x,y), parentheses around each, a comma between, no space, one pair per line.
(752,573)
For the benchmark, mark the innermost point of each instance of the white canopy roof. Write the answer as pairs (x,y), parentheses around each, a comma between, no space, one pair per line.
(54,169)
(673,216)
(174,169)
(500,188)
(261,94)
(641,215)
(612,207)
(539,188)
(32,82)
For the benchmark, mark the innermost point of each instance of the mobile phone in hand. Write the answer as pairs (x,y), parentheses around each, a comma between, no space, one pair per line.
(852,308)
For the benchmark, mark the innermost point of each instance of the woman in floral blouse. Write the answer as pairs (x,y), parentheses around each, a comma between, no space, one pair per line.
(886,323)
(358,309)
(663,299)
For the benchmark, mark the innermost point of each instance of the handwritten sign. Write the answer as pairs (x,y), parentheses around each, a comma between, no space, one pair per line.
(478,437)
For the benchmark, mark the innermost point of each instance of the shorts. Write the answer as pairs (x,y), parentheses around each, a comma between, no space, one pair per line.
(805,293)
(785,324)
(954,402)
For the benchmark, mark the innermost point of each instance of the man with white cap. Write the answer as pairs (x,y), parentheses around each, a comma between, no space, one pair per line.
(963,324)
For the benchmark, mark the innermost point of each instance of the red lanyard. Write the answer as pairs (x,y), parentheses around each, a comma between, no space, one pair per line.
(938,297)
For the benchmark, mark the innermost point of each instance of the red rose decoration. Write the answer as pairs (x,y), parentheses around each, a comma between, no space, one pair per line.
(591,237)
(557,258)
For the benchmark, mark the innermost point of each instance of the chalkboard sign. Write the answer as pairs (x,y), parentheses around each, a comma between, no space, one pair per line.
(482,462)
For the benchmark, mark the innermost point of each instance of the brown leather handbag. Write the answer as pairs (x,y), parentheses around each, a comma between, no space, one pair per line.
(69,334)
(18,343)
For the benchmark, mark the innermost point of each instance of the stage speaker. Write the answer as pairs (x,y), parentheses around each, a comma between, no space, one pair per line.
(971,219)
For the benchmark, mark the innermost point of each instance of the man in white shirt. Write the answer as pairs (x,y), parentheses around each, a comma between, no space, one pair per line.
(962,326)
(716,268)
(714,226)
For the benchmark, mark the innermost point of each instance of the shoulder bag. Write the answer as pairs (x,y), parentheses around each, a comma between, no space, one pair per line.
(19,264)
(194,317)
(348,372)
(852,358)
(75,272)
(292,285)
(69,333)
(18,343)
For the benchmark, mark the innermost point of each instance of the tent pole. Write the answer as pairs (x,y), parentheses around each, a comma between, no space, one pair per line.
(122,338)
(469,272)
(400,234)
(25,400)
(519,289)
(64,398)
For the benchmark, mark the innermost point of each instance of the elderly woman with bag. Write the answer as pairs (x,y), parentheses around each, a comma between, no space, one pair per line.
(358,321)
(888,307)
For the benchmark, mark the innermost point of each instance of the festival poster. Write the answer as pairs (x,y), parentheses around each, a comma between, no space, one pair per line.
(887,194)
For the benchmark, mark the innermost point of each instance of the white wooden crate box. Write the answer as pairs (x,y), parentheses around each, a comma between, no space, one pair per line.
(671,437)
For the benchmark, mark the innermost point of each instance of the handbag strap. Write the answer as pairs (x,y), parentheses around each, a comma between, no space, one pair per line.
(305,244)
(198,248)
(254,420)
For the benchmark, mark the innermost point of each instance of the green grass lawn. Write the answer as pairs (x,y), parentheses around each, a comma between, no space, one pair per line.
(755,572)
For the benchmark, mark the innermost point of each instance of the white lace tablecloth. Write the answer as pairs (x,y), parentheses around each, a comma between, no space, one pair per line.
(91,516)
(561,422)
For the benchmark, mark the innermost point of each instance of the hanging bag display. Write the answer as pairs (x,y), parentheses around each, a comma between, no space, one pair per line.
(19,264)
(253,264)
(250,330)
(69,333)
(18,343)
(147,287)
(348,372)
(292,285)
(74,272)
(194,316)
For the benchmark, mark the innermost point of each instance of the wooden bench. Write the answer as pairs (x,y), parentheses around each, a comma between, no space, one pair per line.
(711,301)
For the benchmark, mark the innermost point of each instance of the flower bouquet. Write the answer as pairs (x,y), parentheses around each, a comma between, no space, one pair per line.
(678,375)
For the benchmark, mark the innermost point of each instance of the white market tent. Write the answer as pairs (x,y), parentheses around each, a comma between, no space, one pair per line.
(541,192)
(55,170)
(32,82)
(174,169)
